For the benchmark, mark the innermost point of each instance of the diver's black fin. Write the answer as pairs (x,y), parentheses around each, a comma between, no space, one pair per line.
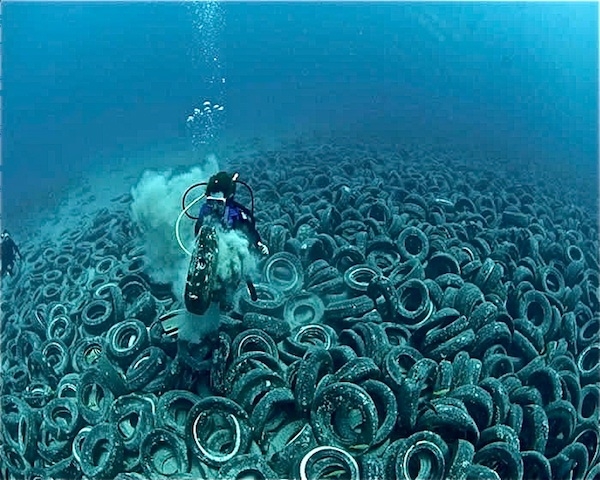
(251,290)
(173,322)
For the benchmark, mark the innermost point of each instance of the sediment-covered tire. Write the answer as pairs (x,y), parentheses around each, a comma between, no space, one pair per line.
(86,352)
(206,423)
(111,293)
(359,276)
(61,416)
(20,428)
(319,460)
(302,309)
(55,354)
(308,336)
(274,327)
(275,403)
(414,304)
(14,463)
(101,438)
(536,465)
(501,456)
(562,418)
(125,340)
(201,276)
(67,386)
(134,417)
(97,317)
(250,465)
(284,271)
(462,458)
(337,401)
(589,403)
(441,263)
(451,419)
(163,454)
(588,364)
(151,365)
(61,328)
(94,396)
(352,307)
(413,451)
(253,340)
(346,256)
(172,408)
(314,365)
(387,408)
(413,243)
(17,378)
(270,300)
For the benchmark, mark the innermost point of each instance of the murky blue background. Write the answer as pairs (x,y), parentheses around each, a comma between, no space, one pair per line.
(84,81)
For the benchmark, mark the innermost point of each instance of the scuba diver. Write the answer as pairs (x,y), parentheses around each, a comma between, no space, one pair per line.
(10,251)
(220,202)
(205,291)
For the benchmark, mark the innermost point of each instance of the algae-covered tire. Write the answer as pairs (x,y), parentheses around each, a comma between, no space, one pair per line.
(202,272)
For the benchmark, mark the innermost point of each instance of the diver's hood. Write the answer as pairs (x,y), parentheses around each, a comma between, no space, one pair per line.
(222,182)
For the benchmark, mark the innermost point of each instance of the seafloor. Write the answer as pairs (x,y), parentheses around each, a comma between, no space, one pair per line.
(421,315)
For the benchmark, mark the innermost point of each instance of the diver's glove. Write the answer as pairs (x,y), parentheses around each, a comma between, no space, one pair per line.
(263,248)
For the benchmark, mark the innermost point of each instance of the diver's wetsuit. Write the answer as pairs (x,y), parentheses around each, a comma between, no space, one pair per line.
(235,216)
(9,255)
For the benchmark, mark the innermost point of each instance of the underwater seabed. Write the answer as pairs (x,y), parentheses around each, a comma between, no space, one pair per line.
(419,316)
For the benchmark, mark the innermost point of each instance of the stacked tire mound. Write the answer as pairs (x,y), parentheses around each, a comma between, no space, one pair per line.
(415,320)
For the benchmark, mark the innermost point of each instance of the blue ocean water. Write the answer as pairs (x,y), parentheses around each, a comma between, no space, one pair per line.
(86,80)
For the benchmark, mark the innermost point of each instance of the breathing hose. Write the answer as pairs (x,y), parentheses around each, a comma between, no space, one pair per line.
(178,223)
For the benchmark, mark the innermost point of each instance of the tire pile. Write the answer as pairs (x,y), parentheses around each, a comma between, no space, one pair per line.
(415,319)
